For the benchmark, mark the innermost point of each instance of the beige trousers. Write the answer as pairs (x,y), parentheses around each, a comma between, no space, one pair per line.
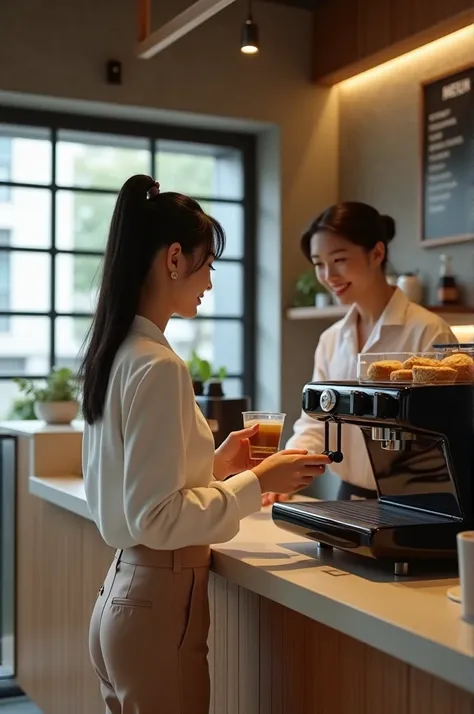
(148,633)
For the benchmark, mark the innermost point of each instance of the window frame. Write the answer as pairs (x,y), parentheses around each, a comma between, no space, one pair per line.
(6,246)
(153,133)
(5,193)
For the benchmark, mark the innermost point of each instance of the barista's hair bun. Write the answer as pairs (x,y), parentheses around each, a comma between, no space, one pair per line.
(390,227)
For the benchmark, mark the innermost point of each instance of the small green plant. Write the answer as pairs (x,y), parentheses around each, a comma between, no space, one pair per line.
(61,386)
(307,287)
(221,373)
(201,370)
(23,409)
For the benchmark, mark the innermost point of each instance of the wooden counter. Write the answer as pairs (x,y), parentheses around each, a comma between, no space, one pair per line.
(294,630)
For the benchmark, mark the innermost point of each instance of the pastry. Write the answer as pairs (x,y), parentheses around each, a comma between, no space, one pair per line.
(463,364)
(381,371)
(433,375)
(402,375)
(422,361)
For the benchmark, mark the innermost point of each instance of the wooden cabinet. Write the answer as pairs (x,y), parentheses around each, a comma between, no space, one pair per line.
(351,36)
(267,659)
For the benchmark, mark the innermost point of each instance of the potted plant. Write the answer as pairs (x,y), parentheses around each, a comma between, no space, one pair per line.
(23,409)
(200,371)
(56,402)
(202,374)
(214,384)
(309,291)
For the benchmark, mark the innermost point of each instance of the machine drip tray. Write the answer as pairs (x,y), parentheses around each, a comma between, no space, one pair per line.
(363,515)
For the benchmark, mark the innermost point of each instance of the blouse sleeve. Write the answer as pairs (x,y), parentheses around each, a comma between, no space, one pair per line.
(161,512)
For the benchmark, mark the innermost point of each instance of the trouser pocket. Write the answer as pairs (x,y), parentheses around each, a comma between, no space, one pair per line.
(195,627)
(129,602)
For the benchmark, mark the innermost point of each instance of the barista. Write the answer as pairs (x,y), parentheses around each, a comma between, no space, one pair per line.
(348,246)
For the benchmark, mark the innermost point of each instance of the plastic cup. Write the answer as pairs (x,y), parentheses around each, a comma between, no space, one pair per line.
(267,440)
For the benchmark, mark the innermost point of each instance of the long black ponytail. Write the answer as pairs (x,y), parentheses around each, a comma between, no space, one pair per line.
(143,222)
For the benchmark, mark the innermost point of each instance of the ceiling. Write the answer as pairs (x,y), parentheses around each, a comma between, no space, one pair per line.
(306,4)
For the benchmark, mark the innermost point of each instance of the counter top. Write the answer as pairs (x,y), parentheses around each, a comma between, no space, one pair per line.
(409,618)
(33,427)
(66,492)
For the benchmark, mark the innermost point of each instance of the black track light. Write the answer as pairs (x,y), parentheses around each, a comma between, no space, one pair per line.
(250,42)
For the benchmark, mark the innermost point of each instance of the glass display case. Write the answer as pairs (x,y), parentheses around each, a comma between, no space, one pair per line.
(445,364)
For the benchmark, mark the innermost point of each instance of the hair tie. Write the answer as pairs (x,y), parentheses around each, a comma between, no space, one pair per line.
(154,190)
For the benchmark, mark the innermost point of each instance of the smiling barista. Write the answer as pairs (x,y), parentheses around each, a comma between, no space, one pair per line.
(348,246)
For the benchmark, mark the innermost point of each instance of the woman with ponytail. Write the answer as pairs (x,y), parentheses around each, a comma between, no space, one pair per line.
(155,487)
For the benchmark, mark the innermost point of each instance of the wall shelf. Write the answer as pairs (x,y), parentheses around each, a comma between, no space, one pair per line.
(331,312)
(452,309)
(455,315)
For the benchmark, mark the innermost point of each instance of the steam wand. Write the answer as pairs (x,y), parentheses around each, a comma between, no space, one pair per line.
(335,456)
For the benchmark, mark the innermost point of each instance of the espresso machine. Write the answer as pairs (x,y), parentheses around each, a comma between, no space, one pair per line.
(420,442)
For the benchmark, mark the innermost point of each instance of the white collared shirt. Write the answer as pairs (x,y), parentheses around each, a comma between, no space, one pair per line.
(148,463)
(402,327)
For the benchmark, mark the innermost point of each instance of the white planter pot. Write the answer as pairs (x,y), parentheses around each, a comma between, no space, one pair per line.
(56,412)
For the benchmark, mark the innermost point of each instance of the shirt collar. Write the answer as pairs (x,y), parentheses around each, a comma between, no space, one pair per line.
(145,327)
(393,315)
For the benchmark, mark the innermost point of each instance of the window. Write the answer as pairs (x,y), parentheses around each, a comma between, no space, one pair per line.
(63,182)
(5,278)
(5,167)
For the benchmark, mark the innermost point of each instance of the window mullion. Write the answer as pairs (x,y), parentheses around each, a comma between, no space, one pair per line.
(153,158)
(52,336)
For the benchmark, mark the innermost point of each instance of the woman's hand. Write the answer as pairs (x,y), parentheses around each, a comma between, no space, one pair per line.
(290,471)
(233,455)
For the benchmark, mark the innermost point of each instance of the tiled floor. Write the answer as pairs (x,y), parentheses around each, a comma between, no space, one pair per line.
(19,705)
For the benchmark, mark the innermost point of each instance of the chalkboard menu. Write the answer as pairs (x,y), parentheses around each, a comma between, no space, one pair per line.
(448,159)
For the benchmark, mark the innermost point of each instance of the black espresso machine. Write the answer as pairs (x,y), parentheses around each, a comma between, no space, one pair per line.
(420,442)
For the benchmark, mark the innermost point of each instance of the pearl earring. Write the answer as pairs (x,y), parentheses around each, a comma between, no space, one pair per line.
(174,276)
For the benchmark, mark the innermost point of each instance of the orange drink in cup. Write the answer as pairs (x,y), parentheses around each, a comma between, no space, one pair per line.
(267,440)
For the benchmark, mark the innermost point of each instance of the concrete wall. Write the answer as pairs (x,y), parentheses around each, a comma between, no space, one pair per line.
(379,150)
(57,51)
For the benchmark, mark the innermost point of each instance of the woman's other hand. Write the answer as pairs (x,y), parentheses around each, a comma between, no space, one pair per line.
(233,455)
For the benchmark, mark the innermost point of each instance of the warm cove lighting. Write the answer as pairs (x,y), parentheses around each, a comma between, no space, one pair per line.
(432,50)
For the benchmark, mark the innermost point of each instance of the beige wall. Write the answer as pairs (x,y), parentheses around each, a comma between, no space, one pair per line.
(58,50)
(379,149)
